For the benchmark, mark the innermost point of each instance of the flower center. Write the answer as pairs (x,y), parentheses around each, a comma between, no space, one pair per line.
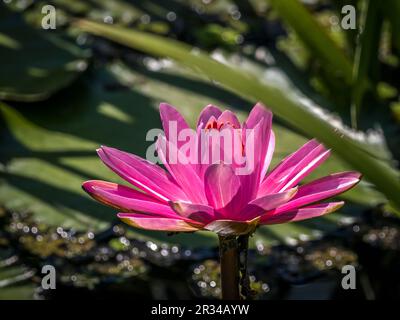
(216,124)
(219,125)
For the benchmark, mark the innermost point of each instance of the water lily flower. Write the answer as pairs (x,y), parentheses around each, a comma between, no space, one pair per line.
(186,197)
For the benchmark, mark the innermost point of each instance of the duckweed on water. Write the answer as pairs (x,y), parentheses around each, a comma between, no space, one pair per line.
(113,262)
(205,281)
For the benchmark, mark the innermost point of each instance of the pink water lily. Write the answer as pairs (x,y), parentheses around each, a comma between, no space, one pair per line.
(212,196)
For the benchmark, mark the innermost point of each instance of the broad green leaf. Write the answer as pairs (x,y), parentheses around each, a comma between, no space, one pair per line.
(35,64)
(391,8)
(366,59)
(313,35)
(15,279)
(282,103)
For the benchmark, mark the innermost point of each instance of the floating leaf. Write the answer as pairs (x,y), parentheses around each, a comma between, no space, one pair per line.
(35,63)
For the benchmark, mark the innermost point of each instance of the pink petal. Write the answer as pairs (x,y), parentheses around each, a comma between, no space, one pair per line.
(142,174)
(222,188)
(211,148)
(170,117)
(322,189)
(198,167)
(126,199)
(231,148)
(301,214)
(198,212)
(255,148)
(209,141)
(183,173)
(258,112)
(294,168)
(207,113)
(265,140)
(266,203)
(228,117)
(269,154)
(160,224)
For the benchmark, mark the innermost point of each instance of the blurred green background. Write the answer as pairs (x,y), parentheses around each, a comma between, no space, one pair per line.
(98,78)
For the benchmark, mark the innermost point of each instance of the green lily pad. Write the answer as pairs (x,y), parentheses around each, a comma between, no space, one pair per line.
(35,63)
(15,280)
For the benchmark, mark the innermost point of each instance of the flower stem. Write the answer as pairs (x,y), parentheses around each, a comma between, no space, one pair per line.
(229,260)
(243,245)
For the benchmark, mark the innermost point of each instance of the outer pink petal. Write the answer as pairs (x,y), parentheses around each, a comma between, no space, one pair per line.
(184,174)
(198,212)
(126,199)
(266,203)
(294,168)
(160,224)
(169,114)
(300,214)
(228,117)
(292,159)
(141,173)
(322,189)
(207,113)
(222,186)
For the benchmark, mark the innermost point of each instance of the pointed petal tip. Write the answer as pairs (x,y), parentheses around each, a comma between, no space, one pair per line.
(263,107)
(303,213)
(94,189)
(211,106)
(165,105)
(292,191)
(352,175)
(100,149)
(86,186)
(105,149)
(170,113)
(335,206)
(168,109)
(356,175)
(90,185)
(314,142)
(206,113)
(259,104)
(258,114)
(104,152)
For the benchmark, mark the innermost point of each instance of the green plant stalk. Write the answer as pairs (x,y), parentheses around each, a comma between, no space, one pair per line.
(229,261)
(391,9)
(358,155)
(245,287)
